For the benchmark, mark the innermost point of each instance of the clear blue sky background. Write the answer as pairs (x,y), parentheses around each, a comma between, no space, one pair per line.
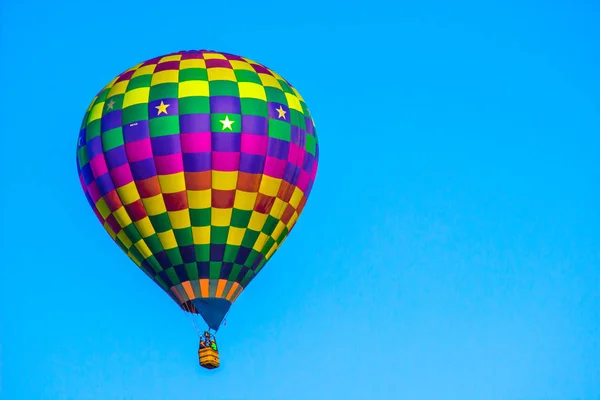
(450,248)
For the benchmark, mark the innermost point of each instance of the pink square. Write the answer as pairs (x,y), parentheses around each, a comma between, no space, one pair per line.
(94,192)
(195,142)
(139,150)
(225,161)
(296,155)
(275,167)
(169,164)
(98,165)
(121,176)
(254,144)
(303,180)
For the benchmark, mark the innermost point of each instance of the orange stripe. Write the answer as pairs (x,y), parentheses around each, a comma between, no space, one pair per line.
(232,290)
(187,286)
(237,294)
(204,287)
(221,287)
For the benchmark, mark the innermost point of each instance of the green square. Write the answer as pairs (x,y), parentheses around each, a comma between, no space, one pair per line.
(200,216)
(230,253)
(153,243)
(217,126)
(280,130)
(174,256)
(136,253)
(83,157)
(255,107)
(132,233)
(223,88)
(275,95)
(172,275)
(214,270)
(240,218)
(135,113)
(193,74)
(218,234)
(250,237)
(164,126)
(84,121)
(285,87)
(154,264)
(102,95)
(116,101)
(93,129)
(142,81)
(235,271)
(194,105)
(251,258)
(161,222)
(202,252)
(297,119)
(191,270)
(243,75)
(268,245)
(112,138)
(164,91)
(311,144)
(183,236)
(269,225)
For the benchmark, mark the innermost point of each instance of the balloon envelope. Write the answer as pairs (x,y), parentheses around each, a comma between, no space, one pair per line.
(198,165)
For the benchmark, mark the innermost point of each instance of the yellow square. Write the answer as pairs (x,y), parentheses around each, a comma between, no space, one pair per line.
(278,208)
(96,112)
(296,197)
(241,65)
(124,239)
(102,208)
(235,236)
(128,193)
(143,248)
(145,70)
(201,234)
(293,102)
(261,240)
(192,63)
(198,199)
(167,239)
(167,76)
(269,80)
(122,217)
(221,74)
(222,180)
(214,56)
(172,183)
(251,90)
(134,67)
(269,185)
(154,205)
(91,105)
(193,88)
(180,219)
(244,200)
(172,57)
(220,216)
(278,230)
(272,250)
(257,221)
(136,96)
(144,227)
(292,220)
(118,88)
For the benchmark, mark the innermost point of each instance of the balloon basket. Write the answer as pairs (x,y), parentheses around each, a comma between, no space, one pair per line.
(208,358)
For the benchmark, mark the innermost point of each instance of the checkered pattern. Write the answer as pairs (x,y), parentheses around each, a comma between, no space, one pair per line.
(198,165)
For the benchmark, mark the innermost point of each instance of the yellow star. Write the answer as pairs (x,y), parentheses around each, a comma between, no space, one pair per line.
(162,107)
(281,112)
(110,104)
(227,123)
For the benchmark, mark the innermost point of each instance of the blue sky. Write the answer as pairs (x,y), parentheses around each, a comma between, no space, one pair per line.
(450,247)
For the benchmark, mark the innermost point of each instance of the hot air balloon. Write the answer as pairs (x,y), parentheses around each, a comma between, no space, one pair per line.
(198,165)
